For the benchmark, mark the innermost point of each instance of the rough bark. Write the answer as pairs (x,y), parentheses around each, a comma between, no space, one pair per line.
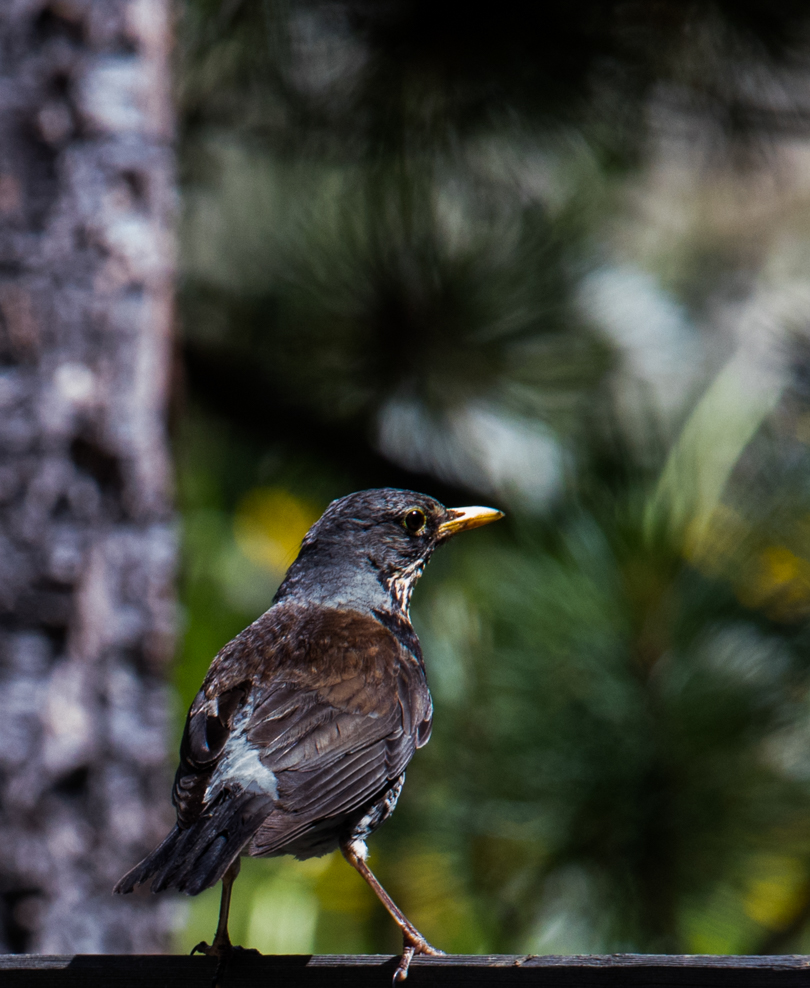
(86,540)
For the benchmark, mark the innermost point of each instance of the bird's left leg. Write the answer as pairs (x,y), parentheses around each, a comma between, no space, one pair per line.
(222,946)
(412,940)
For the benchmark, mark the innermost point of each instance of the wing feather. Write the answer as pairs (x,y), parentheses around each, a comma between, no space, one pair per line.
(328,707)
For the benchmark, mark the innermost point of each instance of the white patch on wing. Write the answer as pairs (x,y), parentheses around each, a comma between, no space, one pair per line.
(240,764)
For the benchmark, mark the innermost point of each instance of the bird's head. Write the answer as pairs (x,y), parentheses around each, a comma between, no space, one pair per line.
(377,540)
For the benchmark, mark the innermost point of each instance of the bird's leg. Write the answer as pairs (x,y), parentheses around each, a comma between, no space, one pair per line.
(222,947)
(412,940)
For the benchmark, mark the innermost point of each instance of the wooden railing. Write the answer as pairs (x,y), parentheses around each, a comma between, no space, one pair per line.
(375,971)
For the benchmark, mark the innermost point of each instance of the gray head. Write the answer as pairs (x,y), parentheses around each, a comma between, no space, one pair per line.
(368,549)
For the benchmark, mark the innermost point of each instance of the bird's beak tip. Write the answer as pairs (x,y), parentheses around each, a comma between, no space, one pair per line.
(462,519)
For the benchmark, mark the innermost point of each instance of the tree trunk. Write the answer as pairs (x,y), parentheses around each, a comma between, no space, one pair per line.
(87,547)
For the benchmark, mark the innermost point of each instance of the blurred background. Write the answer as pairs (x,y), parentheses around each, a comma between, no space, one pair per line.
(555,260)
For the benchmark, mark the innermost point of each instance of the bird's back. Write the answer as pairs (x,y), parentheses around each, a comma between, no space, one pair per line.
(299,737)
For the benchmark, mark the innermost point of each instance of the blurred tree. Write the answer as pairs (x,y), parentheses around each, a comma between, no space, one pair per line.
(87,547)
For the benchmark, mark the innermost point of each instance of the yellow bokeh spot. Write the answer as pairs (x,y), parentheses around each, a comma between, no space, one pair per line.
(773,579)
(340,889)
(781,584)
(431,886)
(773,898)
(269,525)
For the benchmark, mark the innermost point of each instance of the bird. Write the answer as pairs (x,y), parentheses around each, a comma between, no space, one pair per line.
(299,737)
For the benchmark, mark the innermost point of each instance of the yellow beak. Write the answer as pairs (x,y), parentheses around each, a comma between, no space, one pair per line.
(460,519)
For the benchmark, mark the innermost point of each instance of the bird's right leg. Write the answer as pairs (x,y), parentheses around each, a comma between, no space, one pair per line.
(222,946)
(412,940)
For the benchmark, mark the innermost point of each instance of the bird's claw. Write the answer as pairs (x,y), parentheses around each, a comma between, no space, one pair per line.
(209,949)
(413,943)
(224,951)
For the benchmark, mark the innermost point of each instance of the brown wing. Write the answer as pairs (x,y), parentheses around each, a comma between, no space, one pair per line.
(302,719)
(335,749)
(209,725)
(321,712)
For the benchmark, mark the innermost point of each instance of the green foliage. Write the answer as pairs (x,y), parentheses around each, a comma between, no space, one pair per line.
(466,265)
(626,720)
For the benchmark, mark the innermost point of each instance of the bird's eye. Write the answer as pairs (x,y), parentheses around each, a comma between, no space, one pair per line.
(414,521)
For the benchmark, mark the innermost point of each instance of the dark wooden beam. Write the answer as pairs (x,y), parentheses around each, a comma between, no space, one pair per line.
(375,971)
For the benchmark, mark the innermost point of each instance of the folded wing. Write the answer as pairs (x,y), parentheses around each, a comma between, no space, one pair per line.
(298,728)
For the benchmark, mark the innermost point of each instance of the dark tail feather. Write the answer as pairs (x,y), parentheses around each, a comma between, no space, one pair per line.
(150,864)
(195,858)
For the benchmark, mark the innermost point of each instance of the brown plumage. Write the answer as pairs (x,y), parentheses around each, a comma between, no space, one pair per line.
(298,740)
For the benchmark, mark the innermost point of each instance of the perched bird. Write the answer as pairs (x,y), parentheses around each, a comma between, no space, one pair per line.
(298,740)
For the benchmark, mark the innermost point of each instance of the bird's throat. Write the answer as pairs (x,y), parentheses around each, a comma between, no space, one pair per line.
(362,587)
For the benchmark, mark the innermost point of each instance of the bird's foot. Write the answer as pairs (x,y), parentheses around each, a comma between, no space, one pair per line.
(413,943)
(220,950)
(225,952)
